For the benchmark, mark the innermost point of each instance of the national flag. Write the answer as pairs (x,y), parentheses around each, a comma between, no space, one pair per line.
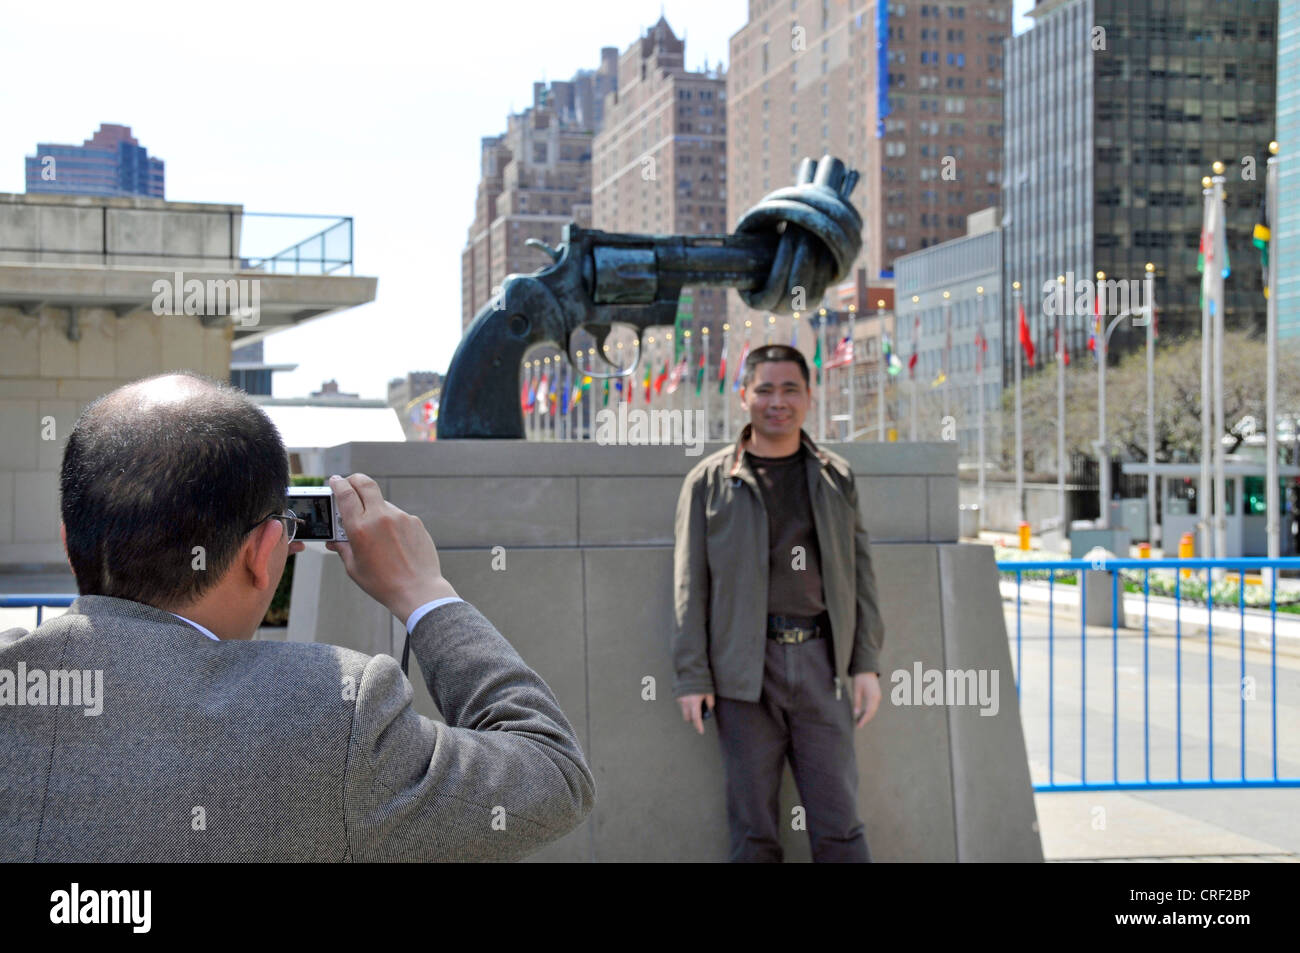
(939,379)
(817,359)
(580,390)
(722,364)
(647,382)
(1214,247)
(740,366)
(794,334)
(916,348)
(605,401)
(1263,234)
(981,347)
(842,355)
(1025,340)
(699,376)
(892,364)
(675,377)
(1062,348)
(525,399)
(543,388)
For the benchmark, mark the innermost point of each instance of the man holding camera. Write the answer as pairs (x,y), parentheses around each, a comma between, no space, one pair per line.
(775,601)
(215,747)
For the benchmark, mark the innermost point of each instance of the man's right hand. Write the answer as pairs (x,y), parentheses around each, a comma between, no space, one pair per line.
(692,710)
(389,553)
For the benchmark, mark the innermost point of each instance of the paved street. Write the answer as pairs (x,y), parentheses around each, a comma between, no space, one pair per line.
(1135,727)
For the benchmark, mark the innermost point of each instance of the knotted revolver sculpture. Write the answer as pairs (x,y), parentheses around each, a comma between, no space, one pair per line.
(786,250)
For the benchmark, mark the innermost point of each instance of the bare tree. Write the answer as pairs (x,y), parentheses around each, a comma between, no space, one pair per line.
(1177,400)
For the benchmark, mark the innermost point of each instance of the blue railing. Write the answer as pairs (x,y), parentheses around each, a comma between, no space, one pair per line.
(1180,605)
(39,601)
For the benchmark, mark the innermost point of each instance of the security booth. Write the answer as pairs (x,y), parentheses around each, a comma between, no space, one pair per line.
(1178,489)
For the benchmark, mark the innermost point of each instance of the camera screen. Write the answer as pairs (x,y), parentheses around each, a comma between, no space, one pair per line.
(317,516)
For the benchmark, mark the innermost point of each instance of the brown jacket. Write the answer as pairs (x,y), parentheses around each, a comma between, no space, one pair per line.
(720,573)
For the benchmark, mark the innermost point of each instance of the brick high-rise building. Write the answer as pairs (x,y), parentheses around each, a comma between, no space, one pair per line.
(910,94)
(111,162)
(536,179)
(659,164)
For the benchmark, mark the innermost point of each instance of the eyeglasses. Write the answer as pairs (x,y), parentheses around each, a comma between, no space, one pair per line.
(288,518)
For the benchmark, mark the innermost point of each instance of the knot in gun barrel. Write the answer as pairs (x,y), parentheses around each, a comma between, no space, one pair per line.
(821,235)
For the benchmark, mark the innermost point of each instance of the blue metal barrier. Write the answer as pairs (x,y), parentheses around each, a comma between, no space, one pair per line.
(1147,567)
(38,601)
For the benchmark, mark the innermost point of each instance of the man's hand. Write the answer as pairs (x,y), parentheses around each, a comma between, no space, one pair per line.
(389,553)
(866,697)
(691,709)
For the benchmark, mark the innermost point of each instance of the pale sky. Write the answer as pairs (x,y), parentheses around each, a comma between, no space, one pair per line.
(371,110)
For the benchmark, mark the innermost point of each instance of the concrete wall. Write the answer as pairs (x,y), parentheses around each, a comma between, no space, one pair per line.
(44,375)
(1041,504)
(586,597)
(81,229)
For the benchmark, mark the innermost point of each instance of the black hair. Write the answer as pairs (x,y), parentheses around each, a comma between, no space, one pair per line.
(145,482)
(774,352)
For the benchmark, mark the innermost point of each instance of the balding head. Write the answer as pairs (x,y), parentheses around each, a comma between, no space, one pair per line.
(162,479)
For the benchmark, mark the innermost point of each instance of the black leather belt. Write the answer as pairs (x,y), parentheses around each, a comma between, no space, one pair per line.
(792,630)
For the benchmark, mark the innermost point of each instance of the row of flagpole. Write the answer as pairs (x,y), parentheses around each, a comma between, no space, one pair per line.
(553,389)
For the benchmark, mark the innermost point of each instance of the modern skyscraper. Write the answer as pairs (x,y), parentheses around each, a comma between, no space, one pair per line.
(111,162)
(1286,230)
(1115,110)
(536,179)
(660,162)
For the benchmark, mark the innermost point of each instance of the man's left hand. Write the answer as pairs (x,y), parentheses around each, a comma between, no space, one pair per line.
(866,696)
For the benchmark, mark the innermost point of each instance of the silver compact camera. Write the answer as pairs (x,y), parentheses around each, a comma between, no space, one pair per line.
(319,512)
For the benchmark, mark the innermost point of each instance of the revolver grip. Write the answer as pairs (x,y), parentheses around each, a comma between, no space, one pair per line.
(480,397)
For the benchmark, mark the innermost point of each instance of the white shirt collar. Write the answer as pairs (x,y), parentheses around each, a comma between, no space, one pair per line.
(197,626)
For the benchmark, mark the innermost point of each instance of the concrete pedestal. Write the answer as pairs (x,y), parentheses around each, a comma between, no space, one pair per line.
(568,550)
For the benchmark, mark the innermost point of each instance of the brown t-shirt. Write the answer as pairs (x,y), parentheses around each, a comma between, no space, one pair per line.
(794,581)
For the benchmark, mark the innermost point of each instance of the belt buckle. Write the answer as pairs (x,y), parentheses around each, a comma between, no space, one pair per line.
(791,636)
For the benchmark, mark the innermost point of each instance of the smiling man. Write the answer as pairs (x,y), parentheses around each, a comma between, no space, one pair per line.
(775,604)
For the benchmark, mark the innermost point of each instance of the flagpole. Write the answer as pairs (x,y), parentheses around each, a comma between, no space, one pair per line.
(1272,492)
(1220,486)
(881,370)
(853,373)
(947,351)
(528,389)
(1204,506)
(686,392)
(1061,517)
(1152,490)
(704,379)
(1103,455)
(979,386)
(568,408)
(913,359)
(1020,436)
(726,391)
(824,376)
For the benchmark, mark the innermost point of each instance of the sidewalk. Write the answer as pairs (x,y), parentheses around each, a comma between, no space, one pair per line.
(1164,614)
(1159,827)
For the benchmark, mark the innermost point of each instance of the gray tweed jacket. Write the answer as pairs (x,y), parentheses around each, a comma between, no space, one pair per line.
(275,751)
